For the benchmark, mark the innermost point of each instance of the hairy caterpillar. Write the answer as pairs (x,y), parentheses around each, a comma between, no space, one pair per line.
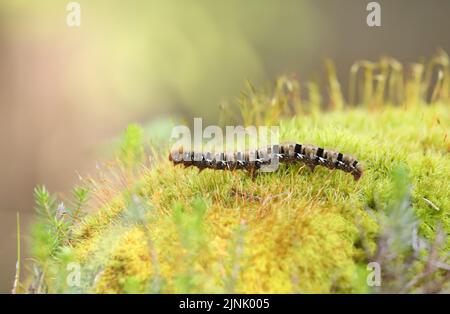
(253,160)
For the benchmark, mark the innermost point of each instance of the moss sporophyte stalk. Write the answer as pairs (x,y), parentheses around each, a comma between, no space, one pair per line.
(140,225)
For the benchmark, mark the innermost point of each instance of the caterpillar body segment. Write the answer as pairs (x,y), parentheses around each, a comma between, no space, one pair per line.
(253,160)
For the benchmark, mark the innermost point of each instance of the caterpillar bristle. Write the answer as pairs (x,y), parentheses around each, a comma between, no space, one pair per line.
(251,161)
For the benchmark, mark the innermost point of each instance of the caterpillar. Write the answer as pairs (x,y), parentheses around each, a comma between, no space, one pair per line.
(253,160)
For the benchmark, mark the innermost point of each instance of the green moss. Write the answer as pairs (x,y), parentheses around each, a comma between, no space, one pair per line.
(174,230)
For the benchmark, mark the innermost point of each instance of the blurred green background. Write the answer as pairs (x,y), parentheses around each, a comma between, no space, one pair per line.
(64,92)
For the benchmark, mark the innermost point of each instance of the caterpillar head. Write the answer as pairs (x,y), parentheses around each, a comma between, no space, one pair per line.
(353,166)
(358,171)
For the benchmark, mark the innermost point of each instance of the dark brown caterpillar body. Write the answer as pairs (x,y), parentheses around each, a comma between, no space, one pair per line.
(253,160)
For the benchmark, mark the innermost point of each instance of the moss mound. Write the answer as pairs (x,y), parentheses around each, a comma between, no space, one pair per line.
(152,227)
